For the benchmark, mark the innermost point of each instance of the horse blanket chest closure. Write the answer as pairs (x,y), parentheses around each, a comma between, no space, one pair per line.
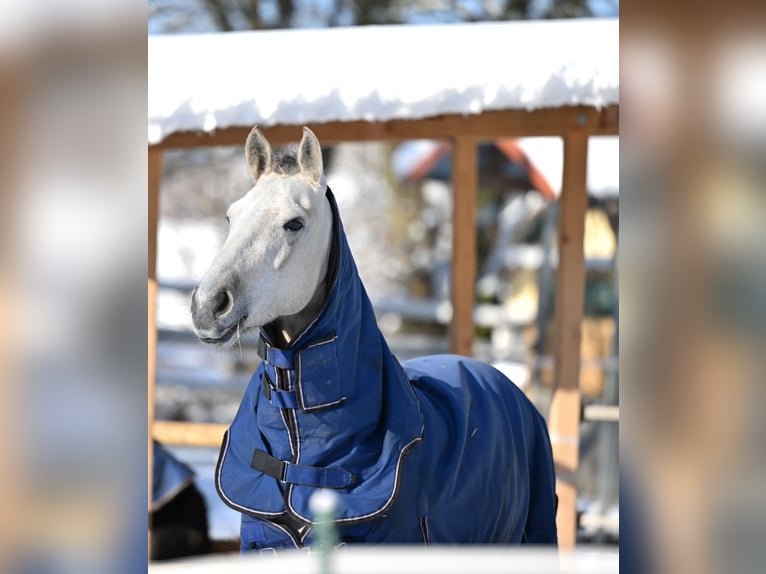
(436,449)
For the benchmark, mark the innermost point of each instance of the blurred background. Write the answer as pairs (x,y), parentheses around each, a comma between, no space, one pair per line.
(73,172)
(396,204)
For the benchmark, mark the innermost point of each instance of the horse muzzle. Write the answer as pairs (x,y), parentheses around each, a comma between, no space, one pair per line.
(214,318)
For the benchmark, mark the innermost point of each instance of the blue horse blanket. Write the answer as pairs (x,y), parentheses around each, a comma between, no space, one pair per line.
(440,449)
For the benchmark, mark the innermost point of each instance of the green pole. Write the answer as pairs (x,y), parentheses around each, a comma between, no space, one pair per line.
(324,506)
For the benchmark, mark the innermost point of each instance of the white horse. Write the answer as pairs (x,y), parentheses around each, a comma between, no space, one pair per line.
(437,449)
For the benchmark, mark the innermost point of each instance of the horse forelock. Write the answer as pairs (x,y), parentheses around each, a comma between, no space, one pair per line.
(284,160)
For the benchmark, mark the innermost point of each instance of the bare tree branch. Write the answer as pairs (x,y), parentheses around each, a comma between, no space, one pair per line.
(220,14)
(251,11)
(286,11)
(516,9)
(567,9)
(228,14)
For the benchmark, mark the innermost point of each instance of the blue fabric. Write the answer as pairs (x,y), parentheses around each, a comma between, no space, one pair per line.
(280,358)
(280,399)
(319,477)
(169,476)
(442,448)
(284,399)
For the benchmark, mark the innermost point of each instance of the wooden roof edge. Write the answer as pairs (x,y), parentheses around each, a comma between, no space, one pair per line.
(485,125)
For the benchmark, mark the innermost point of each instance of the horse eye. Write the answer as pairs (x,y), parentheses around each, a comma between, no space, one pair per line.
(227,219)
(293,225)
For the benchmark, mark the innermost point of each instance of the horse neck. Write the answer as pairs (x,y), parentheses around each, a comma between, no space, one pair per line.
(284,329)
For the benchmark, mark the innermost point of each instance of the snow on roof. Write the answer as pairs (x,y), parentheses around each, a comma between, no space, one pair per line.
(209,81)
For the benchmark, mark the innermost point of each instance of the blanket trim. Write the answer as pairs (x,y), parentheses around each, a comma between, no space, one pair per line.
(372,515)
(229,502)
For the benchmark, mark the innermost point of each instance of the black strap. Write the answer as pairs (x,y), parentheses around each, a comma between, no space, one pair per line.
(331,477)
(268,464)
(278,398)
(275,360)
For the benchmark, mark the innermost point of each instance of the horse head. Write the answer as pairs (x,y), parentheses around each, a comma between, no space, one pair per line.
(275,254)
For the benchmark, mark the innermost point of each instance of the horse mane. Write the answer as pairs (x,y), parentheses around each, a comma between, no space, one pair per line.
(284,160)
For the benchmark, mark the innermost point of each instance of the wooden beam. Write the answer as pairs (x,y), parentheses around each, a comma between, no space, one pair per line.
(487,125)
(155,176)
(465,193)
(601,413)
(564,416)
(189,434)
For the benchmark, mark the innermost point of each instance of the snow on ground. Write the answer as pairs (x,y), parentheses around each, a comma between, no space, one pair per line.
(603,176)
(357,178)
(210,81)
(186,248)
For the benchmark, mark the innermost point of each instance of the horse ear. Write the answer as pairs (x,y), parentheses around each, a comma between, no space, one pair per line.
(258,152)
(310,156)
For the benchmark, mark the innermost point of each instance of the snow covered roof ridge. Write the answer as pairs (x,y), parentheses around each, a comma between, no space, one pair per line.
(377,73)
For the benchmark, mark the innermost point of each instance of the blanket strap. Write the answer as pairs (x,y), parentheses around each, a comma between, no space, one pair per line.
(280,399)
(331,477)
(274,359)
(280,358)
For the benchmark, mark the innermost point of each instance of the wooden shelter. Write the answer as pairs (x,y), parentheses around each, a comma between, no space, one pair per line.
(573,122)
(437,165)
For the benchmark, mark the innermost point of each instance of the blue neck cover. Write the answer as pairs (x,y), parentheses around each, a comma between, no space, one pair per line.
(334,409)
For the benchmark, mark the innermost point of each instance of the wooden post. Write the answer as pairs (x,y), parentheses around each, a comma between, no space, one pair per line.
(189,434)
(564,416)
(465,193)
(155,176)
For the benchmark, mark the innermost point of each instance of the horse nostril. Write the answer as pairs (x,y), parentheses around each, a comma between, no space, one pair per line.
(223,303)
